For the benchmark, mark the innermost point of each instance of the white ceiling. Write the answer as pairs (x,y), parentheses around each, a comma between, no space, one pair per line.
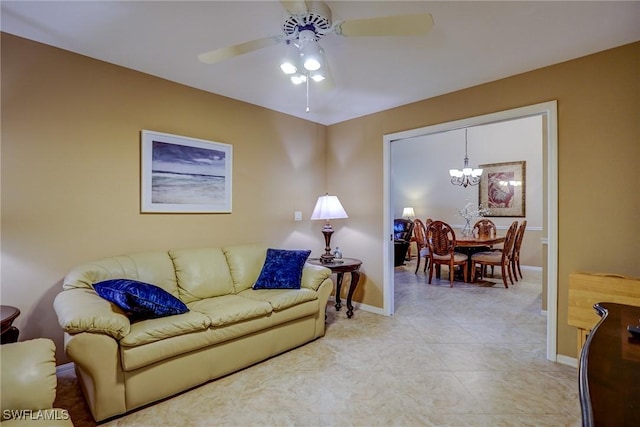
(472,43)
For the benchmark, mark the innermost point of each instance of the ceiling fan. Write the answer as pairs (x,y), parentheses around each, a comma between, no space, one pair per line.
(306,23)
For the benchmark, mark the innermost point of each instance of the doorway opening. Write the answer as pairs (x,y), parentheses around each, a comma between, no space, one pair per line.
(548,112)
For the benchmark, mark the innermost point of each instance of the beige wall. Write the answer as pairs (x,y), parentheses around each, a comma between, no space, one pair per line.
(599,152)
(70,172)
(70,169)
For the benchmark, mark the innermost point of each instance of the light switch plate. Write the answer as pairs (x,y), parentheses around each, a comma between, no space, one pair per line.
(297,216)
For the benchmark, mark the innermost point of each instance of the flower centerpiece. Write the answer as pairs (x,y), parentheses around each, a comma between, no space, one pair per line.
(469,213)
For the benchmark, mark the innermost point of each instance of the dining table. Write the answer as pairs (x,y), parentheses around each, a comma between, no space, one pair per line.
(469,241)
(469,244)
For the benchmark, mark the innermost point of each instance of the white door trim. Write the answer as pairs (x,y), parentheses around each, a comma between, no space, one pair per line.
(550,111)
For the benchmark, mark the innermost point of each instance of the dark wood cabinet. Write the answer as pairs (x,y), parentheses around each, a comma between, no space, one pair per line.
(610,369)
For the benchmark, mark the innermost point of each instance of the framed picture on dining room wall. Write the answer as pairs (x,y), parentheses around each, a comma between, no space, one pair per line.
(184,175)
(503,189)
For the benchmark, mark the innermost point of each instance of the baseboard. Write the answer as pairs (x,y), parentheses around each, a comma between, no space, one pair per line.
(369,308)
(359,306)
(566,360)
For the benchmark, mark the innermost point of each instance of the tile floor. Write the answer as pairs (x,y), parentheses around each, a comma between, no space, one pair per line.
(463,356)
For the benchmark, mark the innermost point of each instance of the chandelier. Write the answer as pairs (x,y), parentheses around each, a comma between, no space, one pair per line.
(467,176)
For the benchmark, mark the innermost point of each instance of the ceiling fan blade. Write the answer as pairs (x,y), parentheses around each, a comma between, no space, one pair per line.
(239,49)
(298,7)
(403,25)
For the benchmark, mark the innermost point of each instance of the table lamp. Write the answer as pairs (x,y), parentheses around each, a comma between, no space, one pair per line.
(409,213)
(328,208)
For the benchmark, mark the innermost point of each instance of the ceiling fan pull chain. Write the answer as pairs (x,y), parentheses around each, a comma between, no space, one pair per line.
(307,92)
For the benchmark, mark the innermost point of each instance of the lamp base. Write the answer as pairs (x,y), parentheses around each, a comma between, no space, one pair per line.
(327,258)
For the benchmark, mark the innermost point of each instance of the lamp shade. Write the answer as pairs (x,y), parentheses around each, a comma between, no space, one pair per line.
(328,207)
(408,212)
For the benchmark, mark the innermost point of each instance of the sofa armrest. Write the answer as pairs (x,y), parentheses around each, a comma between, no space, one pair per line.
(28,375)
(313,276)
(83,310)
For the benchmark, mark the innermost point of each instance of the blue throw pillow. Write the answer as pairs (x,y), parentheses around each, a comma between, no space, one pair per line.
(140,300)
(282,269)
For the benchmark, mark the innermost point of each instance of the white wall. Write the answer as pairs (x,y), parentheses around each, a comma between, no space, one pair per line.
(420,170)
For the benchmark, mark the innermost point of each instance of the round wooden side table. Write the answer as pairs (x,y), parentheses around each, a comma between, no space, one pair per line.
(341,266)
(8,333)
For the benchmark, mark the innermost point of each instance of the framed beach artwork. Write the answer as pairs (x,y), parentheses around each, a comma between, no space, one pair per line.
(503,189)
(184,175)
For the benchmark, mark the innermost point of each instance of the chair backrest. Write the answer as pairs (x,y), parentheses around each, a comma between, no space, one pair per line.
(519,236)
(510,238)
(441,239)
(420,233)
(402,229)
(484,228)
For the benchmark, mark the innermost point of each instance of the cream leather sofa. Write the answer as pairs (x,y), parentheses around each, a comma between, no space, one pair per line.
(28,375)
(123,365)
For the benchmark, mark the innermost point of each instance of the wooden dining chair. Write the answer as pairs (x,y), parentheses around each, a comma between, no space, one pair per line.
(420,235)
(502,258)
(441,242)
(484,228)
(515,261)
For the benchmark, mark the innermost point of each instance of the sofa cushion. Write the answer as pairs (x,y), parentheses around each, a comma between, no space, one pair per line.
(149,267)
(202,273)
(281,299)
(151,330)
(141,300)
(164,350)
(282,269)
(245,263)
(229,309)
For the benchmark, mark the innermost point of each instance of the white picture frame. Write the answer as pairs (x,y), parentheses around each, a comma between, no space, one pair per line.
(184,175)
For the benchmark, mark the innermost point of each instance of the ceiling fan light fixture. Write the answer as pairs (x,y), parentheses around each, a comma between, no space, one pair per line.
(317,77)
(288,68)
(312,64)
(291,61)
(311,53)
(297,79)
